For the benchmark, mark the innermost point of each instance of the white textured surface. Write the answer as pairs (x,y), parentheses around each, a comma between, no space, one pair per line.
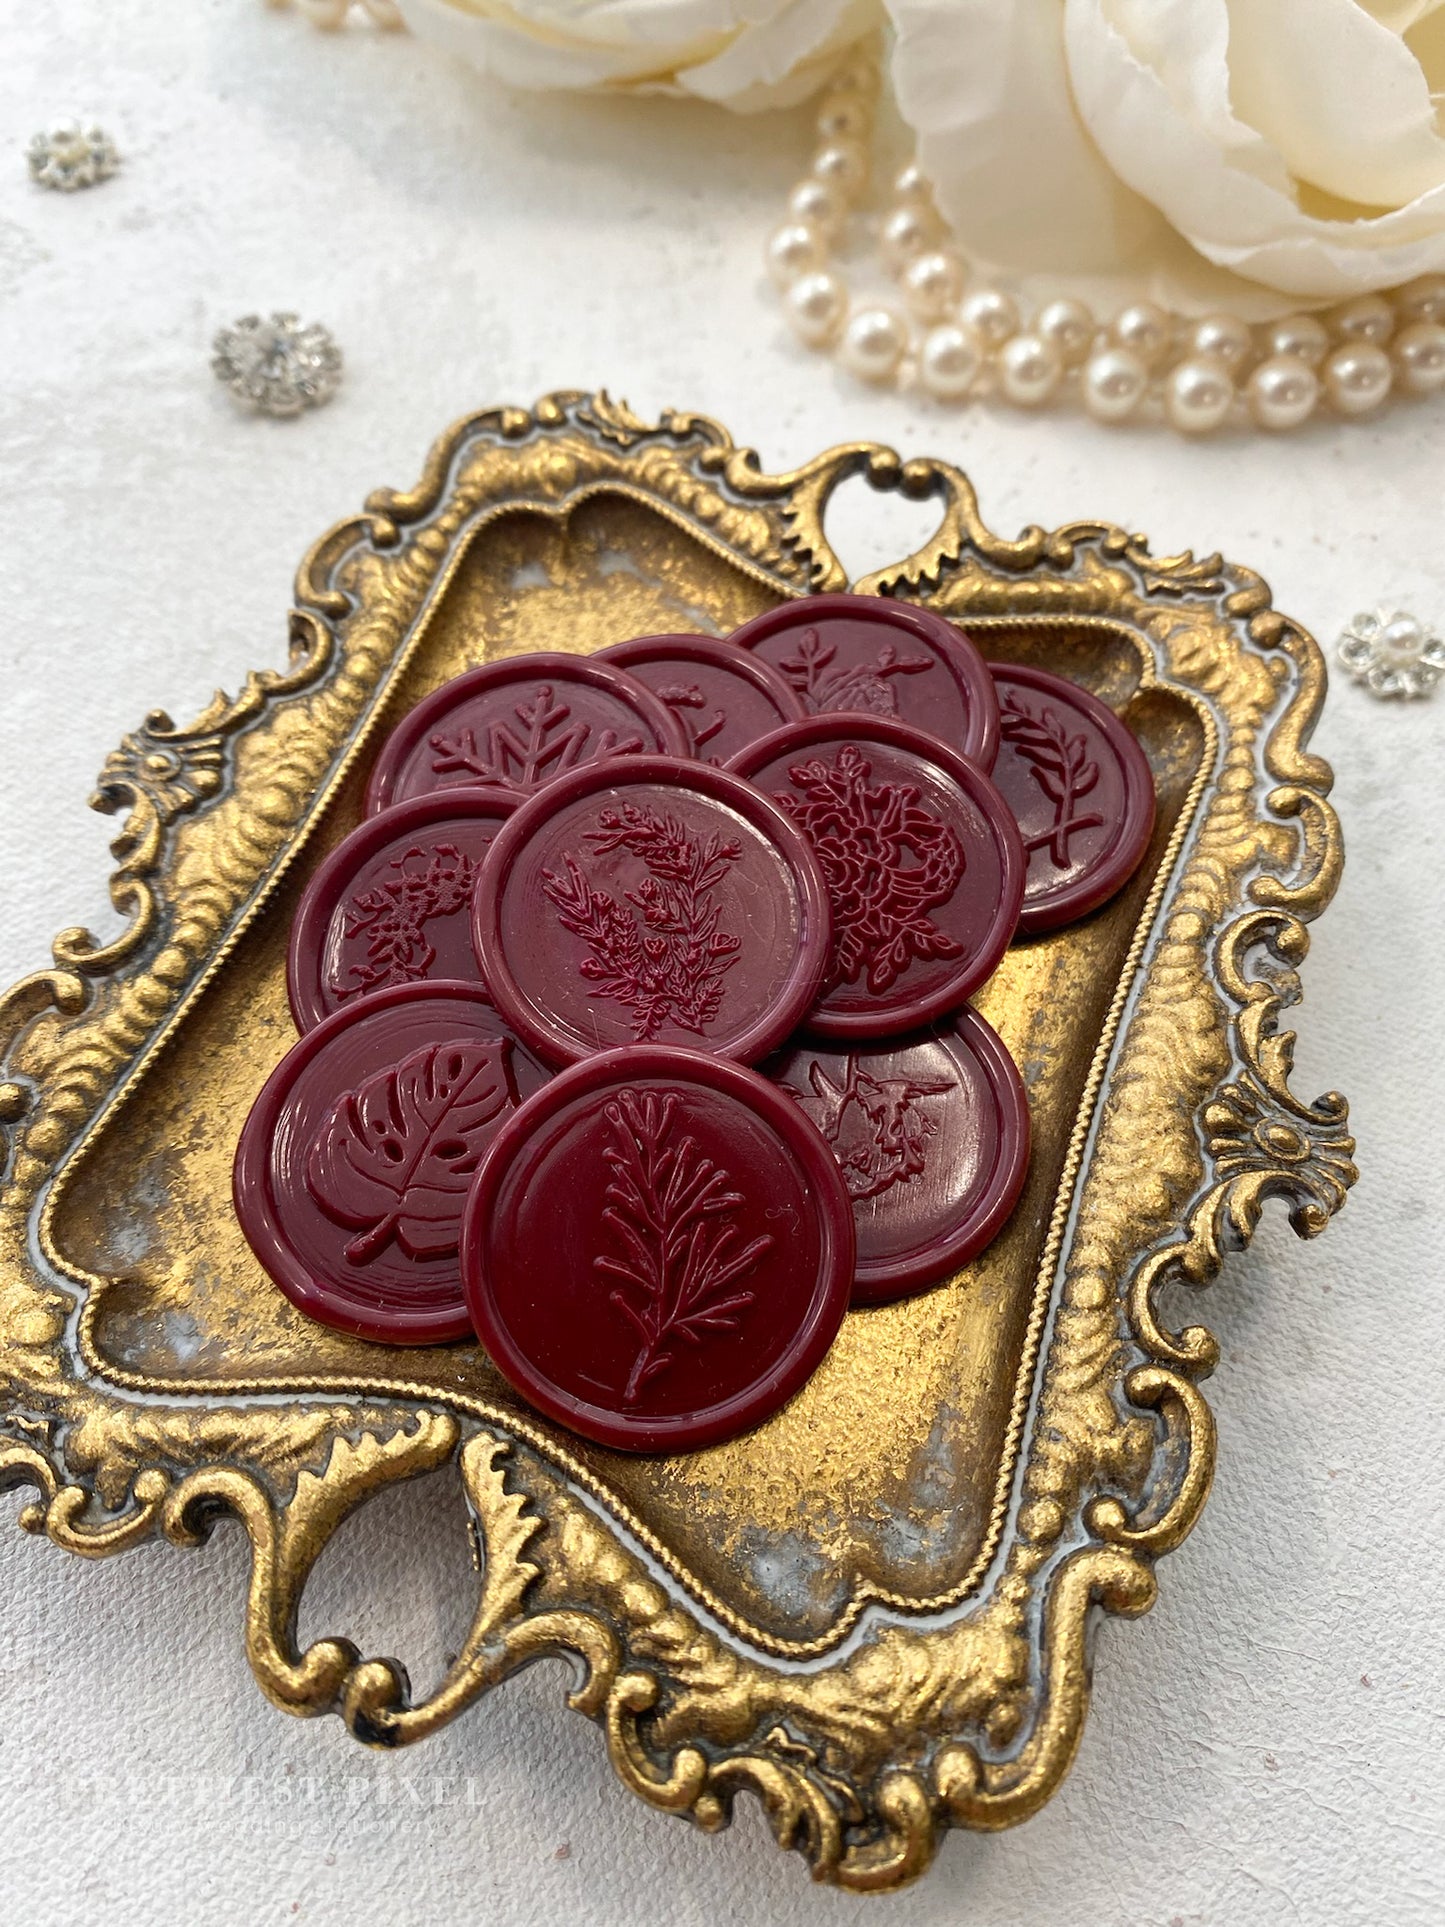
(1266,1746)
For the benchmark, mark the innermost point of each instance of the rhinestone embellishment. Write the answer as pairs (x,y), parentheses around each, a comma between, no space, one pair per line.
(1393,653)
(276,365)
(70,156)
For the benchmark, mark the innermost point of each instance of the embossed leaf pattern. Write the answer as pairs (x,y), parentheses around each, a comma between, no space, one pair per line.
(670,1211)
(1061,767)
(395,1158)
(526,758)
(660,953)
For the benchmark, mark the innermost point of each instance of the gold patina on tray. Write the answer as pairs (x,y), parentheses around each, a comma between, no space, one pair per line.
(873,1612)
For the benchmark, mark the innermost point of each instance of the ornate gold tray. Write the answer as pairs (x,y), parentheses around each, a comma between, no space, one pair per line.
(873,1612)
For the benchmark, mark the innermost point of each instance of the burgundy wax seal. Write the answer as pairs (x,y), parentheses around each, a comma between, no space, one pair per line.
(871,655)
(724,697)
(931,1133)
(651,900)
(1081,788)
(392,904)
(658,1249)
(922,860)
(515,724)
(355,1162)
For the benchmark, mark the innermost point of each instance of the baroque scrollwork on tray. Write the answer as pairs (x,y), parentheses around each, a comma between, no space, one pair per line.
(862,1758)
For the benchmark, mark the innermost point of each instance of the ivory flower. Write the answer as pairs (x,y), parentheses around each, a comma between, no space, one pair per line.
(1292,142)
(745,53)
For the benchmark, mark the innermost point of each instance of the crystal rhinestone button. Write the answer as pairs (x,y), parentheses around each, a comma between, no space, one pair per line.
(277,366)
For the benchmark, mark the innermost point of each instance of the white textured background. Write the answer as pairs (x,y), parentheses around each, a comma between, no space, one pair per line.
(1267,1746)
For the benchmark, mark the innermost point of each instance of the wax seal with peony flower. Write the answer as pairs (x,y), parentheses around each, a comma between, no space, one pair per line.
(922,859)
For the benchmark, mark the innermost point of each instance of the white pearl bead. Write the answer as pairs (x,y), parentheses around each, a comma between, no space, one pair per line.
(1400,640)
(1115,382)
(1419,355)
(907,231)
(873,343)
(842,164)
(1303,337)
(1368,318)
(818,204)
(1223,337)
(1145,329)
(843,117)
(1358,377)
(1422,299)
(912,184)
(1283,391)
(1198,394)
(815,306)
(1069,328)
(1029,370)
(933,283)
(950,360)
(794,249)
(992,314)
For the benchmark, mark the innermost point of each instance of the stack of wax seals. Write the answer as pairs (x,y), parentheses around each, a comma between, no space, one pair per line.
(634,1027)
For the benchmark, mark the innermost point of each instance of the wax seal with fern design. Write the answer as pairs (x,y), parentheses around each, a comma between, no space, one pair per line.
(922,861)
(931,1132)
(355,1160)
(654,900)
(658,1249)
(1081,788)
(392,903)
(876,657)
(514,725)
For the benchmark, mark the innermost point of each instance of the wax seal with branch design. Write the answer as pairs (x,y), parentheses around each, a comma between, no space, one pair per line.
(1081,788)
(658,1248)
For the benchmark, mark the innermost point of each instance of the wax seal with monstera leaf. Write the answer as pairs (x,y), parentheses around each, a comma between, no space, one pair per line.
(357,1156)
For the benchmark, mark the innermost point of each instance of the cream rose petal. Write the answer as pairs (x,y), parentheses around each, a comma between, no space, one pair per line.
(1173,150)
(748,53)
(984,86)
(1340,96)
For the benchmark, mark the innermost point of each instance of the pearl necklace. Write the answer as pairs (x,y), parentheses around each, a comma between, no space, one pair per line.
(958,343)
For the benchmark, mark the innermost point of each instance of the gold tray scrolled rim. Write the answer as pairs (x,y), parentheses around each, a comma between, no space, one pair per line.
(692,1711)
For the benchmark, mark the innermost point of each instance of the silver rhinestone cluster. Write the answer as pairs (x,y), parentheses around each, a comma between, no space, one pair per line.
(276,365)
